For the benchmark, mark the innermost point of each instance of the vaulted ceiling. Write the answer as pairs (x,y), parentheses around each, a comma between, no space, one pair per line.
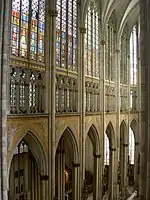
(126,11)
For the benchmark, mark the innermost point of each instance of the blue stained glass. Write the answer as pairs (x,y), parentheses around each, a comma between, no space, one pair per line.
(41,25)
(63,35)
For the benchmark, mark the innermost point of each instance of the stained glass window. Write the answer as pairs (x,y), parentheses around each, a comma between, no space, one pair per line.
(133,56)
(131,146)
(106,150)
(27,29)
(66,34)
(110,50)
(92,42)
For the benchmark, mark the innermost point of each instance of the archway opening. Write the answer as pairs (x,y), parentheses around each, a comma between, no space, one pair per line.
(24,176)
(123,159)
(66,170)
(91,164)
(106,163)
(131,158)
(109,150)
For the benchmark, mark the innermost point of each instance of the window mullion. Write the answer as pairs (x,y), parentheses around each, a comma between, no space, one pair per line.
(29,29)
(67,35)
(72,37)
(61,9)
(19,28)
(91,44)
(87,36)
(37,31)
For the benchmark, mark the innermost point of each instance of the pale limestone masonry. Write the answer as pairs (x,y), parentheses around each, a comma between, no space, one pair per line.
(64,117)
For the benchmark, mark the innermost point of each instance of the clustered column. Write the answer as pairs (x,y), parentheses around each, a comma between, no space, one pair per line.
(60,174)
(97,182)
(111,174)
(75,181)
(144,191)
(82,108)
(51,100)
(124,161)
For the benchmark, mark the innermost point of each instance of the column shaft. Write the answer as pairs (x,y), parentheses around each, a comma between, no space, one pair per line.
(75,181)
(60,175)
(96,178)
(51,100)
(82,108)
(111,174)
(4,92)
(144,35)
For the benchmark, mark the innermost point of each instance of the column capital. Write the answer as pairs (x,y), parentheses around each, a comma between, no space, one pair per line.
(102,42)
(82,29)
(53,13)
(125,145)
(75,164)
(112,149)
(97,156)
(137,143)
(44,177)
(117,51)
(59,151)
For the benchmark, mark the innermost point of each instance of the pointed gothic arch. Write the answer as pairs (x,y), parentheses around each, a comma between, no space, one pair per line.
(37,149)
(67,165)
(27,168)
(111,135)
(124,132)
(134,127)
(70,139)
(94,136)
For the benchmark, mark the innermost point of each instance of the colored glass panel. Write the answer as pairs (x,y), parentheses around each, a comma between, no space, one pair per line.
(15,20)
(91,42)
(20,23)
(66,43)
(133,56)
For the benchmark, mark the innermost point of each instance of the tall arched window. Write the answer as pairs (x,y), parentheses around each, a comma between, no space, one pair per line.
(124,56)
(92,42)
(110,50)
(133,55)
(27,29)
(66,34)
(106,150)
(131,146)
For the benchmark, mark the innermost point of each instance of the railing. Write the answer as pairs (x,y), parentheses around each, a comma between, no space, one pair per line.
(133,196)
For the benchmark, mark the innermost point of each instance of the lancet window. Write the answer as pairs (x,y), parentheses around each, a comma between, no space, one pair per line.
(92,65)
(27,29)
(124,56)
(133,55)
(66,34)
(110,50)
(131,146)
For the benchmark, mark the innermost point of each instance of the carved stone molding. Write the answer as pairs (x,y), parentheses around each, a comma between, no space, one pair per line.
(12,130)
